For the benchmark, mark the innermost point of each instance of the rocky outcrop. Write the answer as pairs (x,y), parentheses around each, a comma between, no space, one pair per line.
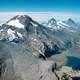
(67,73)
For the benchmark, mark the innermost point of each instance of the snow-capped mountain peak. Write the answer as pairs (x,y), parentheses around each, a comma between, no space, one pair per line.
(18,26)
(71,21)
(15,27)
(68,24)
(19,21)
(52,22)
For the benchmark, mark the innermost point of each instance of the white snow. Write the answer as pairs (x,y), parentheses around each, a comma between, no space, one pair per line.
(11,34)
(15,23)
(53,26)
(61,24)
(34,24)
(1,30)
(50,26)
(10,31)
(35,39)
(19,34)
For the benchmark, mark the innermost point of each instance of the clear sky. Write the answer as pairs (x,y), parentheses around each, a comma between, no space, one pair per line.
(40,5)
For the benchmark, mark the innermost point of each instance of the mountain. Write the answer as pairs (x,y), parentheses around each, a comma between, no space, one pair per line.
(30,49)
(23,28)
(69,24)
(52,23)
(30,45)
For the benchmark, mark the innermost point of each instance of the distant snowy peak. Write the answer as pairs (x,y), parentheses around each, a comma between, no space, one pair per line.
(54,24)
(70,21)
(52,21)
(69,24)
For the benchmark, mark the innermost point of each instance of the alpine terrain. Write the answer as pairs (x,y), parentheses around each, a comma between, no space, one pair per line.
(30,50)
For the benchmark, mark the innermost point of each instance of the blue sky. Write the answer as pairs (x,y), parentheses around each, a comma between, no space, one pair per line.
(40,5)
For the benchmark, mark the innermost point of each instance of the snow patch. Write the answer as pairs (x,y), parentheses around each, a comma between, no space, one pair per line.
(60,23)
(15,23)
(11,34)
(19,34)
(34,24)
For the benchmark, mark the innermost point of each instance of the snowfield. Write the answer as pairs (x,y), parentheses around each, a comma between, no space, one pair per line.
(15,23)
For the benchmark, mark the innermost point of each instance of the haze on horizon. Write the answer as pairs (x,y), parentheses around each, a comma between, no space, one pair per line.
(40,16)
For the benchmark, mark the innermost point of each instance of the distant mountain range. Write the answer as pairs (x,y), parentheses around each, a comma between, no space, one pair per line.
(69,24)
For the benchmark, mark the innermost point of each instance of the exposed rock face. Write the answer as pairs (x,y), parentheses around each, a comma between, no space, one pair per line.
(6,63)
(21,64)
(67,73)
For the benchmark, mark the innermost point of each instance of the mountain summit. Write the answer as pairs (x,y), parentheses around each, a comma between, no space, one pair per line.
(19,21)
